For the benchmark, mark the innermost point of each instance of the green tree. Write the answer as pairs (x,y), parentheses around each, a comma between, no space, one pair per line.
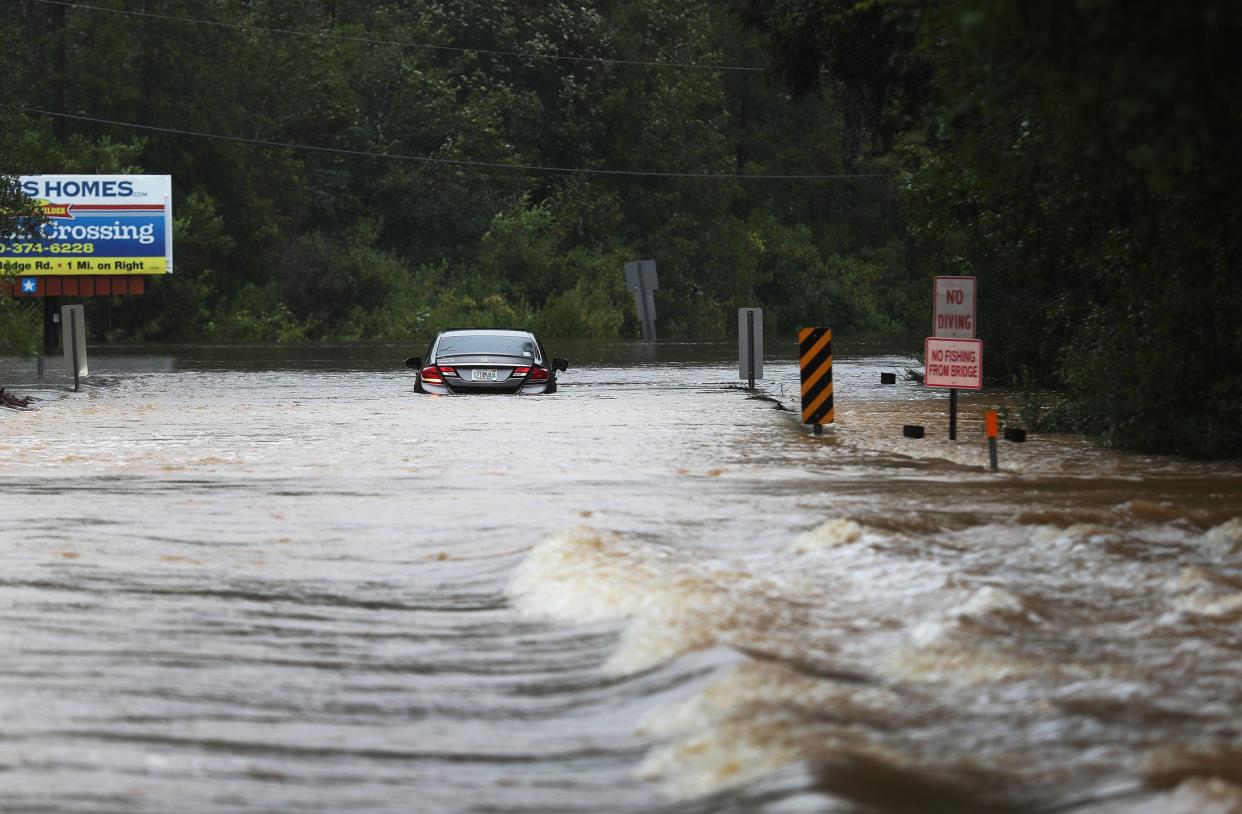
(1078,158)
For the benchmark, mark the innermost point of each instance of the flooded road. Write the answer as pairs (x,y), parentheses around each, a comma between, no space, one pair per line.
(272,580)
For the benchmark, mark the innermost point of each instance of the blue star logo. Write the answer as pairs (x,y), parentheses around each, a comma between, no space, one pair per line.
(29,285)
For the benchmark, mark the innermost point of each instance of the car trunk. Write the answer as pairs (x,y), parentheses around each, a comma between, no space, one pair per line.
(484,371)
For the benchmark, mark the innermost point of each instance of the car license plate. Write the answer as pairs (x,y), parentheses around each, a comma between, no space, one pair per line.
(481,375)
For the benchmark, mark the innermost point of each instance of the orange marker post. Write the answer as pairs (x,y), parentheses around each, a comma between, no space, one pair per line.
(991,424)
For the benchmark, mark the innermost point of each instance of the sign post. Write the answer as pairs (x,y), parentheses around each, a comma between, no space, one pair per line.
(641,279)
(953,317)
(750,344)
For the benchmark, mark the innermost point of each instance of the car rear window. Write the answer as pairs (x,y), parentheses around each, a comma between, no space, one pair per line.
(458,345)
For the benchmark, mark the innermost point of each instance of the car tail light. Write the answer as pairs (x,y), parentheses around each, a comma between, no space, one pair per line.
(448,369)
(519,371)
(538,374)
(431,375)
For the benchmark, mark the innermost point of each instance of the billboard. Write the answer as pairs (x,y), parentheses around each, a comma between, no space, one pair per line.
(96,224)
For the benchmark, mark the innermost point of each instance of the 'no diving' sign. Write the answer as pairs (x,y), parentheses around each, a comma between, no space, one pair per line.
(953,307)
(815,355)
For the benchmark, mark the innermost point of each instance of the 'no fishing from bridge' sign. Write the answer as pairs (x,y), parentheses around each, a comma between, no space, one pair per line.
(955,363)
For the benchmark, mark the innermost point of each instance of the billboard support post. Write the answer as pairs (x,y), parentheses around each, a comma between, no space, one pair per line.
(51,331)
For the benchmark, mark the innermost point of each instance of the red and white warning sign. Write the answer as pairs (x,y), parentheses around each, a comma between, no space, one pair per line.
(954,363)
(953,307)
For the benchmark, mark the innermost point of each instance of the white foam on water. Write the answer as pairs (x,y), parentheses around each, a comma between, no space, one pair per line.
(719,758)
(1206,592)
(1205,795)
(1198,795)
(758,686)
(676,602)
(758,718)
(1226,539)
(579,575)
(938,658)
(1077,534)
(913,655)
(830,534)
(992,603)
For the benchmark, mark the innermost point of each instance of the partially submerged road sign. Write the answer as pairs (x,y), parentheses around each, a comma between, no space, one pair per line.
(815,360)
(73,326)
(641,278)
(954,363)
(953,307)
(750,344)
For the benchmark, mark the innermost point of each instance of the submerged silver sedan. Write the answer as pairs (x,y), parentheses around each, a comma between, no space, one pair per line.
(486,362)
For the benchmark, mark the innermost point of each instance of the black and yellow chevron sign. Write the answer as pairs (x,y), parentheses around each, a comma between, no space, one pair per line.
(815,353)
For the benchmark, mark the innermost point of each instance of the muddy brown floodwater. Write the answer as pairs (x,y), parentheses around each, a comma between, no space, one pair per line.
(274,580)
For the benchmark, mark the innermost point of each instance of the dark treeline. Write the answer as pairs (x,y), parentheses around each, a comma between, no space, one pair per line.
(286,244)
(1076,156)
(1081,159)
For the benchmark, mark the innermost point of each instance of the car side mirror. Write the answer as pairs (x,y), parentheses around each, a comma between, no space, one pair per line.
(415,362)
(560,364)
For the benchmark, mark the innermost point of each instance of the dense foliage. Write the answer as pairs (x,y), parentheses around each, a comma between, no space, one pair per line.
(1078,156)
(1075,155)
(19,326)
(284,244)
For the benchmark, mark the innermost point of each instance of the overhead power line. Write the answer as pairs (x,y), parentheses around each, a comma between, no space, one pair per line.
(457,162)
(647,63)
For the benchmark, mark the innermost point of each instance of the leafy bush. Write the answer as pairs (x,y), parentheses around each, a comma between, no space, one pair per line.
(21,326)
(589,309)
(456,310)
(256,315)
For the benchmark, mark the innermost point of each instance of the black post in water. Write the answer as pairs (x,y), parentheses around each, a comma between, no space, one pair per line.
(952,414)
(750,348)
(642,306)
(992,454)
(818,429)
(73,339)
(51,331)
(649,333)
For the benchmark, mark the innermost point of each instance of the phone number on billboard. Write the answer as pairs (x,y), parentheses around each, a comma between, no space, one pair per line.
(47,248)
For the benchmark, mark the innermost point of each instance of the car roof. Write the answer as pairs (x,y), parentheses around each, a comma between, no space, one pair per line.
(485,332)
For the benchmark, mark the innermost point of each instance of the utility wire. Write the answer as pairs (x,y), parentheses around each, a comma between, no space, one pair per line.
(456,162)
(403,44)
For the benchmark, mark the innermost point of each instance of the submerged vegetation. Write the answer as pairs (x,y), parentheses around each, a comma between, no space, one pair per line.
(496,163)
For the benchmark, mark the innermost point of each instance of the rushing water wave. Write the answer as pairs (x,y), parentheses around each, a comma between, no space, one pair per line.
(262,580)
